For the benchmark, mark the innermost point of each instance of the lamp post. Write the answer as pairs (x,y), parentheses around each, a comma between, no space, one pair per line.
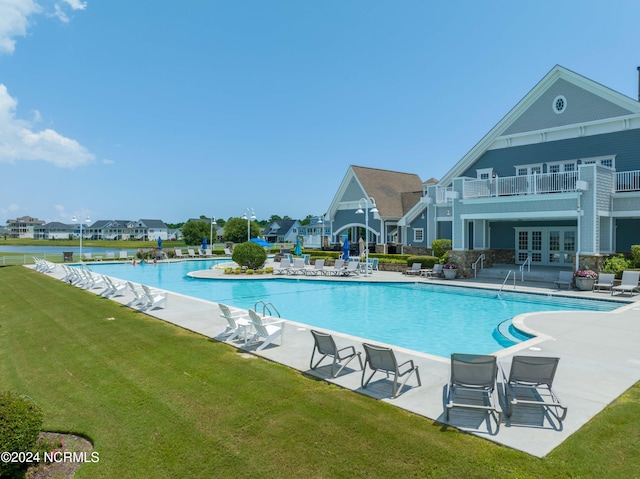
(368,203)
(75,220)
(213,222)
(321,223)
(246,216)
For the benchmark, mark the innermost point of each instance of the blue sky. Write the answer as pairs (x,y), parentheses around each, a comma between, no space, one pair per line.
(154,109)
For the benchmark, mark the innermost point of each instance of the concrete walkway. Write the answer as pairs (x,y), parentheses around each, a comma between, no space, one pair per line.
(599,360)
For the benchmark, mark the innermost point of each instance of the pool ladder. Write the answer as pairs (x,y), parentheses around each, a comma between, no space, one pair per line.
(506,278)
(266,308)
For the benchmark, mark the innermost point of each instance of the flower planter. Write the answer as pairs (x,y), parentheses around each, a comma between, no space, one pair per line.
(450,273)
(584,284)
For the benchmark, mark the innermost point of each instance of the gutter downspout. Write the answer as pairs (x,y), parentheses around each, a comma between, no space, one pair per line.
(578,245)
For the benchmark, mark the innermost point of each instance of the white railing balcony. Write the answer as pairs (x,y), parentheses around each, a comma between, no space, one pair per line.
(521,185)
(628,181)
(441,192)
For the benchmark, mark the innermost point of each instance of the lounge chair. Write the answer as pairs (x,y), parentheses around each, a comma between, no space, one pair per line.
(436,272)
(530,381)
(306,258)
(353,268)
(153,298)
(191,253)
(372,265)
(88,257)
(114,288)
(564,278)
(473,384)
(629,283)
(110,256)
(326,346)
(269,329)
(123,256)
(381,359)
(227,251)
(179,253)
(318,268)
(208,252)
(283,268)
(415,269)
(139,298)
(338,268)
(239,324)
(297,267)
(604,281)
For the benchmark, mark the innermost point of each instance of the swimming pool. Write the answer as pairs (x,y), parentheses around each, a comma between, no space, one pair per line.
(430,318)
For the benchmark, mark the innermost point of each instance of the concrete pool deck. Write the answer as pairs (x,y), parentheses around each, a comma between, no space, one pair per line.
(598,351)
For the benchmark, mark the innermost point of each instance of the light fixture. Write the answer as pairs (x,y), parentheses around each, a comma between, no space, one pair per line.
(75,220)
(249,219)
(368,202)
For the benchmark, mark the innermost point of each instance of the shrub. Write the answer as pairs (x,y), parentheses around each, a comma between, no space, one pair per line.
(635,254)
(20,425)
(440,246)
(427,261)
(616,265)
(249,254)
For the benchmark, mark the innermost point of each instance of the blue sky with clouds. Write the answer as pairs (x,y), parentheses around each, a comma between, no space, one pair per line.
(125,109)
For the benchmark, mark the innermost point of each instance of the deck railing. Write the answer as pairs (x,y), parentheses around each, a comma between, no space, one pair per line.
(628,181)
(521,185)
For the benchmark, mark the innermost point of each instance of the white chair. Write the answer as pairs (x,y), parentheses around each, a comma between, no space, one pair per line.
(415,269)
(154,298)
(353,268)
(238,324)
(191,253)
(179,253)
(269,329)
(123,256)
(110,256)
(114,288)
(629,283)
(318,268)
(338,268)
(297,267)
(139,298)
(283,268)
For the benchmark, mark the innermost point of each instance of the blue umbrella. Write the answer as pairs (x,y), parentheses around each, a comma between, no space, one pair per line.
(261,242)
(159,242)
(298,250)
(345,249)
(204,243)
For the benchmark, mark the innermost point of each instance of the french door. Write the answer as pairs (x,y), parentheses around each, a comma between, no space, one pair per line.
(549,246)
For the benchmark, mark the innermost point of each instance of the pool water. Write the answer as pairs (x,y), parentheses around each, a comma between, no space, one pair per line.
(424,317)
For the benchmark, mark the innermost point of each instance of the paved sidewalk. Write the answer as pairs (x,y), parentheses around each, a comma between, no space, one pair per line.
(600,359)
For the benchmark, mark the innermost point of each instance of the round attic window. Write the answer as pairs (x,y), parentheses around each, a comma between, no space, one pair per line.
(559,104)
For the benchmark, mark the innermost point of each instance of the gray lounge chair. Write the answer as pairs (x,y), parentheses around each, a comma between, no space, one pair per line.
(326,346)
(473,383)
(565,278)
(629,283)
(415,269)
(530,381)
(384,360)
(605,281)
(436,272)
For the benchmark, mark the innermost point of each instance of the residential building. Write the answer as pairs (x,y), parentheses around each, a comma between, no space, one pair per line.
(23,227)
(281,231)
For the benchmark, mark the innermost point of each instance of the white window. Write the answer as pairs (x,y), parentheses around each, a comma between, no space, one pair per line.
(524,170)
(484,173)
(561,166)
(418,235)
(608,161)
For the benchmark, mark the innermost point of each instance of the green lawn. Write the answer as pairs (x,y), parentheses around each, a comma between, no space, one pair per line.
(158,401)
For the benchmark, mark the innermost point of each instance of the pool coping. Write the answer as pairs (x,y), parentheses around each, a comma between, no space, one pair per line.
(598,351)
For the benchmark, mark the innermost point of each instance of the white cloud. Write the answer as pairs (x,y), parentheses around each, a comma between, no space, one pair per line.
(19,142)
(76,4)
(14,20)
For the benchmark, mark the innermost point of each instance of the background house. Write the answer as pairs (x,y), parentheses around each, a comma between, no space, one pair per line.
(281,231)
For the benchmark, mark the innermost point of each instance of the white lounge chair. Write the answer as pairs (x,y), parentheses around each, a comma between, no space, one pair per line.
(629,283)
(88,256)
(604,281)
(238,324)
(154,298)
(139,298)
(191,253)
(352,269)
(565,278)
(269,329)
(297,267)
(123,256)
(114,288)
(318,268)
(415,269)
(283,268)
(179,253)
(338,268)
(436,272)
(110,256)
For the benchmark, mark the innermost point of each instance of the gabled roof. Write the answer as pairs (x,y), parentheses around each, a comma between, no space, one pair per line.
(394,192)
(589,104)
(278,227)
(154,223)
(56,225)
